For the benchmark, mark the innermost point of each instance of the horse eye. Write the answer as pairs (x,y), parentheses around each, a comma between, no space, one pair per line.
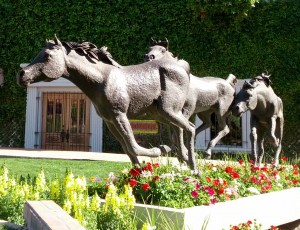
(163,50)
(47,55)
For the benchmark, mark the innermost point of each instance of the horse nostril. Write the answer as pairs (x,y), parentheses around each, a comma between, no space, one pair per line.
(21,73)
(146,57)
(152,57)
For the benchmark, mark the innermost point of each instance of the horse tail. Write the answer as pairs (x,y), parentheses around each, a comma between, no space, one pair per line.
(232,80)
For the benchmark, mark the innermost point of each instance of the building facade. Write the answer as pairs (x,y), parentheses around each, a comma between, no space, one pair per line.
(60,117)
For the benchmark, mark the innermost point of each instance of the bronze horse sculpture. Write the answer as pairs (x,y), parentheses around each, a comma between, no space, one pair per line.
(266,110)
(206,95)
(118,92)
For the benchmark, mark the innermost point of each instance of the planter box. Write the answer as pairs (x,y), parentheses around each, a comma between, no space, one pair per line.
(275,208)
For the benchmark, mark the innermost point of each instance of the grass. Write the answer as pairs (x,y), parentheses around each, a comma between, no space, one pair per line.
(52,168)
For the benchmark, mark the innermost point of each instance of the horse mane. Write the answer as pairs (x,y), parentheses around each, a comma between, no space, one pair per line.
(254,82)
(92,52)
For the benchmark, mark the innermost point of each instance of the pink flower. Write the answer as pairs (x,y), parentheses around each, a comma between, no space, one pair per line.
(194,194)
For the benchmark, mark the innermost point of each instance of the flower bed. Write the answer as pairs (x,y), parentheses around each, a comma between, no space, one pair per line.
(269,209)
(192,199)
(179,198)
(176,186)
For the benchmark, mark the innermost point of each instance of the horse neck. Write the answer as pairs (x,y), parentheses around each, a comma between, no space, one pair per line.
(85,74)
(263,94)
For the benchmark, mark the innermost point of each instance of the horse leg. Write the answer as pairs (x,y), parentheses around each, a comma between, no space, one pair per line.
(183,152)
(272,128)
(123,126)
(178,120)
(260,145)
(279,134)
(177,137)
(206,121)
(224,130)
(114,131)
(253,139)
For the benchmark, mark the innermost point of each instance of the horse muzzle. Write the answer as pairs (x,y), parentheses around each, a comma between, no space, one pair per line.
(148,57)
(22,79)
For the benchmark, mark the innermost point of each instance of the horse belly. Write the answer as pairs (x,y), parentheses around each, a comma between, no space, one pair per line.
(143,95)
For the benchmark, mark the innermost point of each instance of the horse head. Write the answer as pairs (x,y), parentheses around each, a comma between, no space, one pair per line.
(246,99)
(48,65)
(157,49)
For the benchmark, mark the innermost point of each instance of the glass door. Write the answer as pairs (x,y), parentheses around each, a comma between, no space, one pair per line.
(66,121)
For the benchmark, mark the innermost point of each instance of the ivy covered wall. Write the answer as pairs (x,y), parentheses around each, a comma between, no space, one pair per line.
(214,41)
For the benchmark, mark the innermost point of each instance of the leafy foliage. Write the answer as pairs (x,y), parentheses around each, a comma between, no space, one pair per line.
(267,39)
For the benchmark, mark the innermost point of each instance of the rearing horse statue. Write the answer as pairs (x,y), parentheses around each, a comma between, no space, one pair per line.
(158,88)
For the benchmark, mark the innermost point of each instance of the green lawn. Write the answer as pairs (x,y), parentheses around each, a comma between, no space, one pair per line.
(52,168)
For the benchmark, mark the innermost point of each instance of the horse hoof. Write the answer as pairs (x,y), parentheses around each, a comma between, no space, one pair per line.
(207,156)
(165,149)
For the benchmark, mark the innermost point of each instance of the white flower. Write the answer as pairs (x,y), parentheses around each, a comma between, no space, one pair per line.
(146,174)
(277,177)
(236,184)
(279,185)
(253,190)
(125,171)
(228,191)
(221,180)
(214,169)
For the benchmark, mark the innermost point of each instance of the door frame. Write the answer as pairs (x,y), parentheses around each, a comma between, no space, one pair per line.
(33,125)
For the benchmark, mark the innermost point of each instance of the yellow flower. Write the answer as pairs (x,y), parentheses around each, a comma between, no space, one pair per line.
(147,226)
(67,206)
(95,202)
(41,185)
(55,190)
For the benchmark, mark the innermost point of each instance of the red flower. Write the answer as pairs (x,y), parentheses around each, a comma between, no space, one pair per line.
(295,182)
(254,168)
(249,222)
(132,182)
(221,191)
(216,182)
(228,169)
(208,179)
(148,167)
(234,228)
(145,187)
(155,178)
(155,165)
(135,172)
(241,162)
(235,175)
(284,158)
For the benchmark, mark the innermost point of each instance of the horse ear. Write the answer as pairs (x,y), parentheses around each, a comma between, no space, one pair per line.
(57,41)
(248,85)
(266,79)
(164,43)
(152,42)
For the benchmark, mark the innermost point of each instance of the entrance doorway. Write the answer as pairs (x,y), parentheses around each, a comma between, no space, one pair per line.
(66,121)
